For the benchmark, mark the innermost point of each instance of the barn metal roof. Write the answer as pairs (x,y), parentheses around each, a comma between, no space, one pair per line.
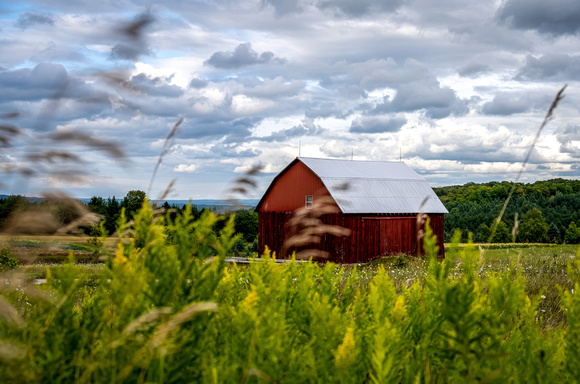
(375,186)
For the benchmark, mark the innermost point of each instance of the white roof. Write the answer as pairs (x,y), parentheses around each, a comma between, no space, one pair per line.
(375,186)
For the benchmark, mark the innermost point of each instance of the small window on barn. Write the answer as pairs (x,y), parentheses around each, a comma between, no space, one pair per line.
(309,201)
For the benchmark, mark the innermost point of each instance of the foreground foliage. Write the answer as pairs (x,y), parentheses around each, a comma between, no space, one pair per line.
(166,308)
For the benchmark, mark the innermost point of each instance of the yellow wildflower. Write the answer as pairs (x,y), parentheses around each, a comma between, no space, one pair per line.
(120,258)
(250,300)
(399,311)
(345,355)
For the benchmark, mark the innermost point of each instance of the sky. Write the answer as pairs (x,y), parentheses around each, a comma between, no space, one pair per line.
(455,89)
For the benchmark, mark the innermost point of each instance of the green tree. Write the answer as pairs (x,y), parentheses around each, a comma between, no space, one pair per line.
(133,202)
(483,233)
(572,235)
(97,205)
(554,233)
(502,233)
(112,214)
(246,224)
(533,227)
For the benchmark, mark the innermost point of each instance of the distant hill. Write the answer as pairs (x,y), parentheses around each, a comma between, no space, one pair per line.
(500,190)
(221,205)
(474,207)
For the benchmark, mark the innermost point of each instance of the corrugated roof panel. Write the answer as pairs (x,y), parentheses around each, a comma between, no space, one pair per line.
(360,169)
(357,195)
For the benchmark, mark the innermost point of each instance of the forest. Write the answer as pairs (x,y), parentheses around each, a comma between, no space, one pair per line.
(547,211)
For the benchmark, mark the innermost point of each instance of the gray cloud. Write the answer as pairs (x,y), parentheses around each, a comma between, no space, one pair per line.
(509,103)
(273,88)
(377,124)
(473,70)
(52,52)
(554,17)
(156,86)
(198,83)
(323,109)
(45,80)
(226,128)
(344,8)
(343,59)
(29,19)
(359,8)
(283,7)
(133,43)
(565,136)
(437,102)
(551,67)
(242,56)
(132,51)
(306,128)
(231,151)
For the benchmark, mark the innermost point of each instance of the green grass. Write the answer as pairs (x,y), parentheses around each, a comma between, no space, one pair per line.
(544,267)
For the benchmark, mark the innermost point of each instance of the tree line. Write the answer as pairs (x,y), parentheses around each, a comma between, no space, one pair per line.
(109,209)
(544,211)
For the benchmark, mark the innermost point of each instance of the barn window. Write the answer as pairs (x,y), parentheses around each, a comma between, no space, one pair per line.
(309,201)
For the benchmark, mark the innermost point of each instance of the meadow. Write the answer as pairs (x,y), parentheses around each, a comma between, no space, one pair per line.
(166,307)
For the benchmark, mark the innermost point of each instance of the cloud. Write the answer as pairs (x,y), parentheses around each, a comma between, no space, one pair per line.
(52,52)
(45,80)
(437,102)
(133,43)
(569,139)
(473,70)
(377,124)
(554,17)
(232,150)
(198,83)
(551,67)
(188,168)
(436,81)
(28,19)
(342,8)
(337,149)
(156,86)
(242,56)
(273,88)
(306,128)
(283,7)
(326,109)
(509,103)
(359,8)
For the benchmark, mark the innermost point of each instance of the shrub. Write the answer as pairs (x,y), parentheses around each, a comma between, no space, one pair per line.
(572,235)
(7,261)
(533,228)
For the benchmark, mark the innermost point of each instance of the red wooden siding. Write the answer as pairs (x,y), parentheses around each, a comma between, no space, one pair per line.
(372,235)
(289,192)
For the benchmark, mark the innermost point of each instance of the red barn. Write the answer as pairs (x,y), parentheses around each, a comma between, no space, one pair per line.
(378,201)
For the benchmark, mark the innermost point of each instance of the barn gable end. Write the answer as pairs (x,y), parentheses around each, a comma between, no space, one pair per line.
(289,189)
(379,202)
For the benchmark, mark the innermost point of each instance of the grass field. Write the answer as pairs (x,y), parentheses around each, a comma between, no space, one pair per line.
(30,250)
(176,311)
(543,265)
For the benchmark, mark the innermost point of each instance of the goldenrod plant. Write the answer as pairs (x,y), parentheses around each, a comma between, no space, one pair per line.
(168,308)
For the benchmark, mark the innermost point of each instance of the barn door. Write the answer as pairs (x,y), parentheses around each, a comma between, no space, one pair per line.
(384,242)
(393,233)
